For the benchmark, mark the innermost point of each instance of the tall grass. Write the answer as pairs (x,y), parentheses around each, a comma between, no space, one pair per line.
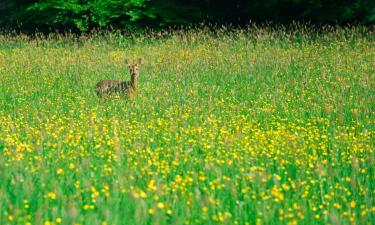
(252,126)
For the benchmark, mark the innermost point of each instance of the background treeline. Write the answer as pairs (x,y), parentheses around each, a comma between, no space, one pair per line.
(84,15)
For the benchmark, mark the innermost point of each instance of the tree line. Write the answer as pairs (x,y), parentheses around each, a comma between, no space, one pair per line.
(85,15)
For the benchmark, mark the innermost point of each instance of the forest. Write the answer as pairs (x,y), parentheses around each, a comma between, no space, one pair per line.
(86,15)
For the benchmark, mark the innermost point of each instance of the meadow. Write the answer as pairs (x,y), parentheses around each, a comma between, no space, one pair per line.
(249,126)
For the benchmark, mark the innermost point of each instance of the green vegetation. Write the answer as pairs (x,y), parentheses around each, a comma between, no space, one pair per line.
(85,15)
(255,126)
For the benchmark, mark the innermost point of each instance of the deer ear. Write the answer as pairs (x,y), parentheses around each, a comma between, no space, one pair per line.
(139,61)
(127,62)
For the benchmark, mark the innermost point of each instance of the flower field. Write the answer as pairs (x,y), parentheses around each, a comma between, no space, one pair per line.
(253,126)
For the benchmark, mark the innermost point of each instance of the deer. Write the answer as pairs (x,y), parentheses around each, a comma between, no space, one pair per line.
(108,87)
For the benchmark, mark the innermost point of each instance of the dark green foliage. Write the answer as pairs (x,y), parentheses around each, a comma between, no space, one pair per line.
(84,15)
(13,13)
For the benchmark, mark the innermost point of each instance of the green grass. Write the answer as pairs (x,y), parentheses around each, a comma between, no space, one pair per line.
(255,126)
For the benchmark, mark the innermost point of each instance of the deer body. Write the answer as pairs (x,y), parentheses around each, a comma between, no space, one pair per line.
(109,87)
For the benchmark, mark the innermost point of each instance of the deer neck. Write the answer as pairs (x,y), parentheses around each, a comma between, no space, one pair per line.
(134,81)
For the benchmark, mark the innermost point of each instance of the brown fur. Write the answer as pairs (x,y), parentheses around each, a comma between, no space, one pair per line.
(109,87)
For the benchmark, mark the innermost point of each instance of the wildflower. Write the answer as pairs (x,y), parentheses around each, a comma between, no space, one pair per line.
(51,195)
(59,171)
(142,194)
(160,205)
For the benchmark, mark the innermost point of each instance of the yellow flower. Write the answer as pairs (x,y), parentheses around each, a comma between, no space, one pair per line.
(160,205)
(143,194)
(59,171)
(293,222)
(51,195)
